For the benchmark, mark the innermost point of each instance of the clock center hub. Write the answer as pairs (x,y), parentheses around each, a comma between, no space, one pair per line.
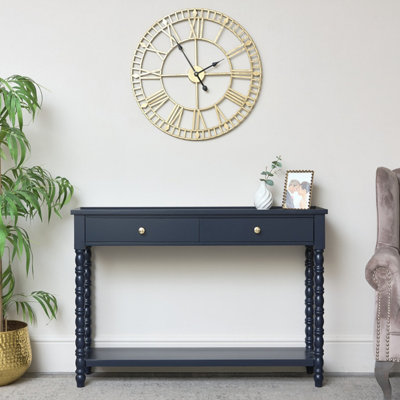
(192,77)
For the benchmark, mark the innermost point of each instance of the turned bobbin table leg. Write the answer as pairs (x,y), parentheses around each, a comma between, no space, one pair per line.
(319,317)
(87,295)
(309,302)
(80,362)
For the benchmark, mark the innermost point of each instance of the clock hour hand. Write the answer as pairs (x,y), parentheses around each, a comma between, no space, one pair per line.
(214,64)
(205,88)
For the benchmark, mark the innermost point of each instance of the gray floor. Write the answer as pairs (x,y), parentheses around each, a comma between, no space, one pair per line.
(99,387)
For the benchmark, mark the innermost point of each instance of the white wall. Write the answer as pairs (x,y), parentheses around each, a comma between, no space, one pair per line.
(329,102)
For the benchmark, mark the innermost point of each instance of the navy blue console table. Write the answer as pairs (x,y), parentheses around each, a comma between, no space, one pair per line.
(201,226)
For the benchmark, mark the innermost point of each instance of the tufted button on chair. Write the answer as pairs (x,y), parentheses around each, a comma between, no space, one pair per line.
(383,274)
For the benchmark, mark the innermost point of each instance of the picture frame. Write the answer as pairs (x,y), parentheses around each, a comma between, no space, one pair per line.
(298,189)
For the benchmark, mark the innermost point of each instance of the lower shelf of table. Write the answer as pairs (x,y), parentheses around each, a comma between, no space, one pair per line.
(200,357)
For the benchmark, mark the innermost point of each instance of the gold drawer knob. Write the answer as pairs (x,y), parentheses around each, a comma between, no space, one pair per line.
(257,230)
(141,230)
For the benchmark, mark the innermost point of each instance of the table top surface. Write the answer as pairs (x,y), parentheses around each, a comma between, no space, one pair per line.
(199,211)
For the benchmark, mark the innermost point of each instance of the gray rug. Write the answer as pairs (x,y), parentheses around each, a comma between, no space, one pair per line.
(99,387)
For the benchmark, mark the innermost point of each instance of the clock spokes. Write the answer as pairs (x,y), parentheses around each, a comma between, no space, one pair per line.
(195,74)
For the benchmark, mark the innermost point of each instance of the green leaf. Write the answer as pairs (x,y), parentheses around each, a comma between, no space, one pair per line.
(8,284)
(13,210)
(21,305)
(20,243)
(23,308)
(12,147)
(31,313)
(19,92)
(17,144)
(3,237)
(42,303)
(19,114)
(48,303)
(12,204)
(32,199)
(12,109)
(28,253)
(269,182)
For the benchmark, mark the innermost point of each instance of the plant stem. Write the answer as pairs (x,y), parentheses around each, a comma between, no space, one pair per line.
(1,296)
(1,273)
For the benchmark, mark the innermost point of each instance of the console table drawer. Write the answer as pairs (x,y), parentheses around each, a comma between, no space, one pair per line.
(140,230)
(272,230)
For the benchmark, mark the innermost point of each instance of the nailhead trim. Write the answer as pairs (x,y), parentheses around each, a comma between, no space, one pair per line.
(378,314)
(389,275)
(378,325)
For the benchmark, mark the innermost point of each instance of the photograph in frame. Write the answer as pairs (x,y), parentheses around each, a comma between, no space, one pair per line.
(298,189)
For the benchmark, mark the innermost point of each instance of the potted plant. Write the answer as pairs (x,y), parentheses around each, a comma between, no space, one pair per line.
(25,192)
(263,197)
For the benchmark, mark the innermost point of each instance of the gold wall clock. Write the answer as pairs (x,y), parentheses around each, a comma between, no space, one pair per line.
(196,74)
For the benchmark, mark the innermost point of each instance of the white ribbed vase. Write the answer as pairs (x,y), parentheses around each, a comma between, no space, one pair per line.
(263,197)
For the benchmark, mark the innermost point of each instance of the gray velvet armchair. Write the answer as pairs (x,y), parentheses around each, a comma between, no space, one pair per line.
(383,274)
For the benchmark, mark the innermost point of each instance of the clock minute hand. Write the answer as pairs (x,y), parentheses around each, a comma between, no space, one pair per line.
(214,64)
(205,88)
(183,52)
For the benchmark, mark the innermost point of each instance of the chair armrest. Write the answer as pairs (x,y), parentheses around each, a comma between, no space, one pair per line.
(388,210)
(385,259)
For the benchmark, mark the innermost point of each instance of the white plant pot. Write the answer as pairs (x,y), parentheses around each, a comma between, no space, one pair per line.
(263,197)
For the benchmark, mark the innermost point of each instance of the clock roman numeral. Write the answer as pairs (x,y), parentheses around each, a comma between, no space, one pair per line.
(150,47)
(242,73)
(198,120)
(156,100)
(172,33)
(223,121)
(196,26)
(145,74)
(240,49)
(235,97)
(224,22)
(175,115)
(237,50)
